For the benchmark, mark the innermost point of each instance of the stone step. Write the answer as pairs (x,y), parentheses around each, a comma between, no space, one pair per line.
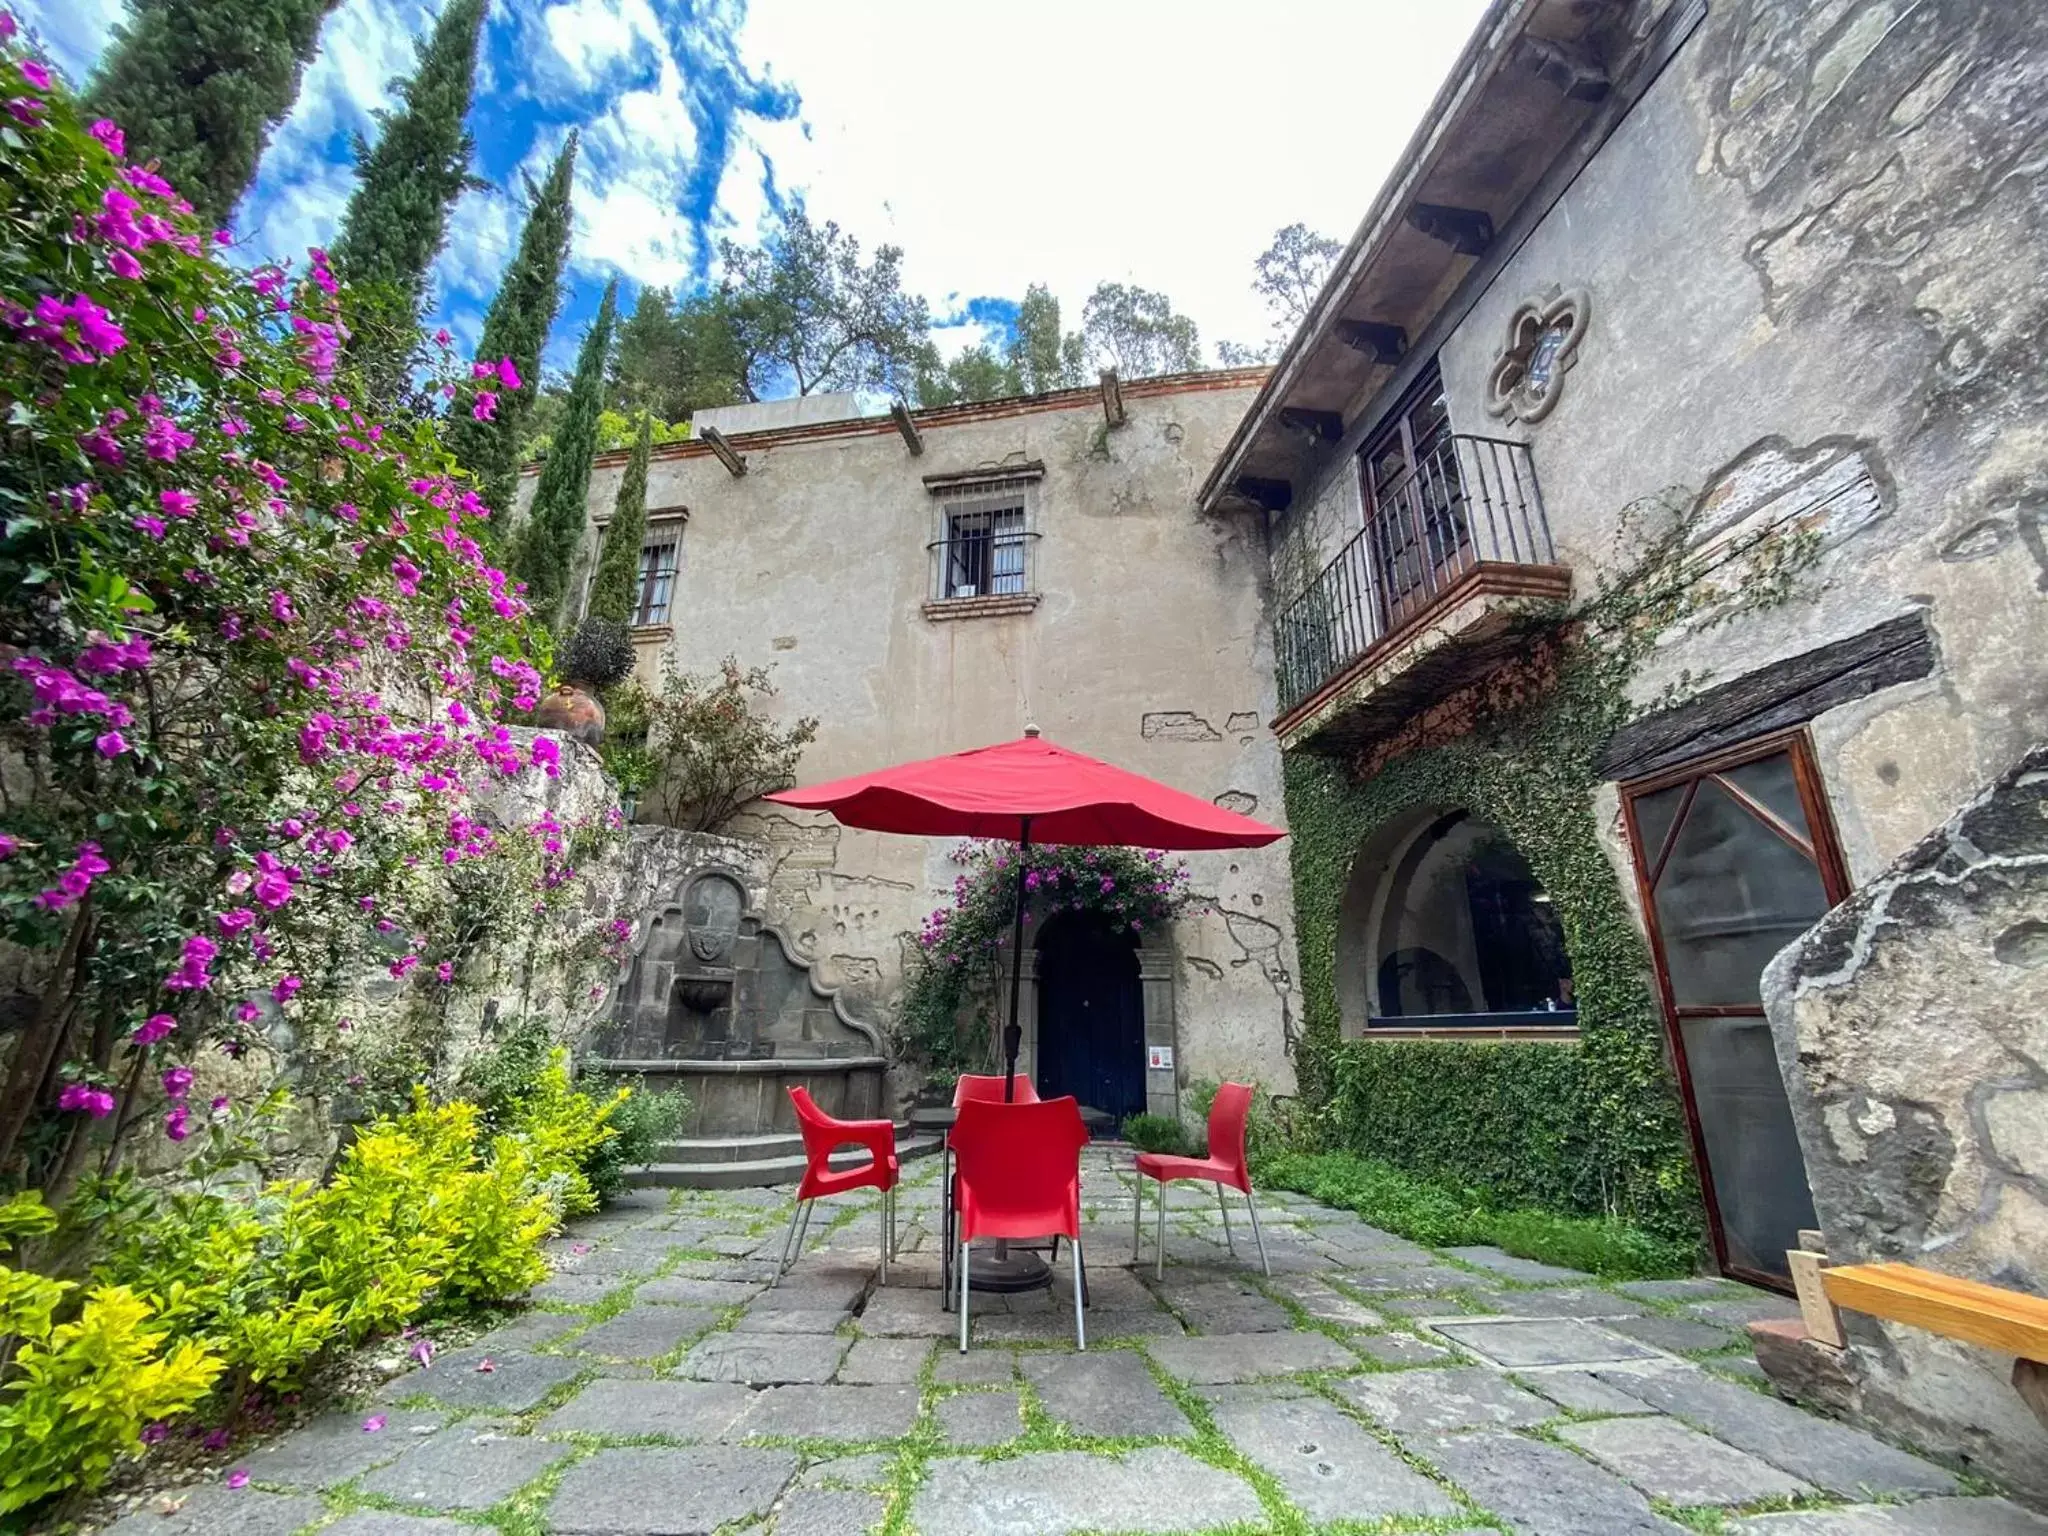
(746,1162)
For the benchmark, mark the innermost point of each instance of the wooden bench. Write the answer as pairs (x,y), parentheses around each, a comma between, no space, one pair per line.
(2010,1322)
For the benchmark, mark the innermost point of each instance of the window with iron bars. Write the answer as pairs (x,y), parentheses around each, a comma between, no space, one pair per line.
(983,548)
(655,588)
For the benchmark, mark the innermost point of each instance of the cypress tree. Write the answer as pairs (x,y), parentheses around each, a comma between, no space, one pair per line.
(618,567)
(516,326)
(406,184)
(197,86)
(554,523)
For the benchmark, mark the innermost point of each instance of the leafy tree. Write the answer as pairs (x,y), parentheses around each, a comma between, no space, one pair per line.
(554,523)
(1044,358)
(618,565)
(804,308)
(396,221)
(197,86)
(1290,272)
(1136,332)
(712,753)
(1232,354)
(675,359)
(976,374)
(517,326)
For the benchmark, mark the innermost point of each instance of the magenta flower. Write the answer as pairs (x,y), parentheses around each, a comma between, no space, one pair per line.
(153,1029)
(373,1423)
(35,73)
(111,137)
(220,1102)
(508,376)
(8,844)
(110,744)
(153,1434)
(239,1478)
(235,919)
(153,526)
(178,1123)
(177,1082)
(485,407)
(178,503)
(215,1441)
(123,264)
(96,1102)
(286,989)
(424,1352)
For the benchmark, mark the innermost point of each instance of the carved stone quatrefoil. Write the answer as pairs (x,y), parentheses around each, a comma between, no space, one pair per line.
(1542,342)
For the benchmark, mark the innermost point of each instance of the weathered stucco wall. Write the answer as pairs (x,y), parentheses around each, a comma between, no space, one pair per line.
(1817,274)
(1910,1028)
(1151,647)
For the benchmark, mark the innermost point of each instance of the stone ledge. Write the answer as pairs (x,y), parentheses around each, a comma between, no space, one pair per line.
(942,609)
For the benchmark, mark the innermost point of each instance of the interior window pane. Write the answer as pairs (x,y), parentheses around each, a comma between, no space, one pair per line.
(1753,1156)
(1771,782)
(1653,820)
(1467,930)
(1732,894)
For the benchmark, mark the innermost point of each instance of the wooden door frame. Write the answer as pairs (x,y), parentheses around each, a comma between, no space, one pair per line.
(1834,874)
(1396,612)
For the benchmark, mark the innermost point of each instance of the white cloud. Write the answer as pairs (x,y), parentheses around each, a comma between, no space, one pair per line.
(591,36)
(1154,141)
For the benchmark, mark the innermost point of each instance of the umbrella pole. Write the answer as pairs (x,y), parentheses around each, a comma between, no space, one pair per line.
(1013,1032)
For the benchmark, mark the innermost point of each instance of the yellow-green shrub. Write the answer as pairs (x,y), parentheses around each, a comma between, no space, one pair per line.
(563,1128)
(76,1395)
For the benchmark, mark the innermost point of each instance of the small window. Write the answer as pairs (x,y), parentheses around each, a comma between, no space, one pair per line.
(983,544)
(657,581)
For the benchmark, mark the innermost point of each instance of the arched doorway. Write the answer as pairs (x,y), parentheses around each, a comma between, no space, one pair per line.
(1091,1015)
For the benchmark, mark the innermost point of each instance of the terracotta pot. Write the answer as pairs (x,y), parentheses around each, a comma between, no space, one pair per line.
(574,712)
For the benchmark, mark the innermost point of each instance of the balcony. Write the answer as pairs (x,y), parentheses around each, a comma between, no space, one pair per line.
(1454,561)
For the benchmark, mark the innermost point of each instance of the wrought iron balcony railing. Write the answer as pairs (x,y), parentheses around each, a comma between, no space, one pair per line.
(1467,503)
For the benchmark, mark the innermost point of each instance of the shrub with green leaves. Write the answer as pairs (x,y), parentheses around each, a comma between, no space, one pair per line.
(1157,1133)
(76,1395)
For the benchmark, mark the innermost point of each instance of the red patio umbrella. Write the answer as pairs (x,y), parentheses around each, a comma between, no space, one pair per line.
(1029,790)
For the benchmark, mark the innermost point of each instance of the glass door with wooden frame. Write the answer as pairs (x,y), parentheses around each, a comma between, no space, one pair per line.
(1414,503)
(1736,857)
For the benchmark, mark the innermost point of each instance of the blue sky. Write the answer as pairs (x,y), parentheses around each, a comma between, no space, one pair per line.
(1063,141)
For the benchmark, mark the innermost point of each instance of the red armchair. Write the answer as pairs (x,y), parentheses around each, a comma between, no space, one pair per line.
(822,1136)
(1020,1176)
(1225,1165)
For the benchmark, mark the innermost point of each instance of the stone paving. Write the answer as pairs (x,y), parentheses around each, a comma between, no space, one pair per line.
(661,1387)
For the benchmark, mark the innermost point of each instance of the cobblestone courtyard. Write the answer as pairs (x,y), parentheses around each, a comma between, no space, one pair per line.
(660,1386)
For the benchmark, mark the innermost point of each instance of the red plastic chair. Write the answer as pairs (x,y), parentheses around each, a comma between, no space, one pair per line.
(1225,1165)
(1020,1176)
(822,1136)
(989,1089)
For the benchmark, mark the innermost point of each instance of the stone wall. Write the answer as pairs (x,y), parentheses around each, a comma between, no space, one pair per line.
(1912,1028)
(1150,645)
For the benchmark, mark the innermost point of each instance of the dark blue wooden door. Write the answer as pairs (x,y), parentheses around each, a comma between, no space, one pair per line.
(1091,1016)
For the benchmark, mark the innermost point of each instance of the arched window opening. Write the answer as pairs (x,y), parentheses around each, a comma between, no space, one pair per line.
(1453,929)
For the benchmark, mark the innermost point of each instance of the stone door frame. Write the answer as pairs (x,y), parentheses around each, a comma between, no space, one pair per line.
(1155,983)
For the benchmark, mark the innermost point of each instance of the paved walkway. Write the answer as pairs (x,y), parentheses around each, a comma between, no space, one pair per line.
(660,1387)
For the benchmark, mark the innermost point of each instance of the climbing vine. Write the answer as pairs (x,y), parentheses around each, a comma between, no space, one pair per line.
(1596,1128)
(955,967)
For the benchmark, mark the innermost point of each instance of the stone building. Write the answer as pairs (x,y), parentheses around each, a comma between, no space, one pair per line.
(939,583)
(1654,497)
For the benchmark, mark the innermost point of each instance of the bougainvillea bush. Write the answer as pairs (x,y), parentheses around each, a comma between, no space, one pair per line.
(255,674)
(253,655)
(947,1021)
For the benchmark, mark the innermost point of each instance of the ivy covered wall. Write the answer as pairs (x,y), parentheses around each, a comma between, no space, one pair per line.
(1594,1128)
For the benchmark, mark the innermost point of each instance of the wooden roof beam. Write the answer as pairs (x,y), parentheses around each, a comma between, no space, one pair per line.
(1380,343)
(1321,426)
(1113,399)
(734,461)
(912,438)
(1468,231)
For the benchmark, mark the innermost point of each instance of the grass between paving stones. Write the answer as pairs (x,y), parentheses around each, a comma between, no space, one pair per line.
(1285,1517)
(1440,1217)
